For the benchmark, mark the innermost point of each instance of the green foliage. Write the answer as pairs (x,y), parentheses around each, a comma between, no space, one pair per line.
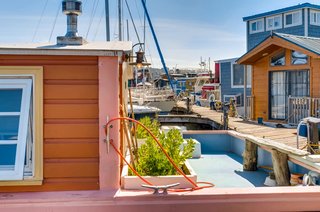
(153,162)
(152,125)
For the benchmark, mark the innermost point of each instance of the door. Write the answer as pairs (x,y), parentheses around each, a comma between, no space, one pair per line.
(284,84)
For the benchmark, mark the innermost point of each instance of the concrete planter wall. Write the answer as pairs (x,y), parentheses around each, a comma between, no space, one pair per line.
(134,182)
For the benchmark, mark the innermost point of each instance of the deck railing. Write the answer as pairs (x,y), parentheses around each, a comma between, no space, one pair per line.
(302,107)
(250,107)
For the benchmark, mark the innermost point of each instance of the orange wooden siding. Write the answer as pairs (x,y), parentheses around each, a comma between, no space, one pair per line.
(71,125)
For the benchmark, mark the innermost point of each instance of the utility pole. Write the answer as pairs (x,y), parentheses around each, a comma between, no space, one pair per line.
(107,20)
(120,19)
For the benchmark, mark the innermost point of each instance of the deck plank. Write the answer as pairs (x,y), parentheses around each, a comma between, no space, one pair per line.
(281,135)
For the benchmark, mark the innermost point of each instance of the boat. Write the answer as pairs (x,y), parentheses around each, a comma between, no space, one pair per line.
(162,98)
(210,94)
(141,111)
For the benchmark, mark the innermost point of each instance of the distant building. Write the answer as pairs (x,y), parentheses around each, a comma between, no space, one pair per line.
(302,20)
(231,77)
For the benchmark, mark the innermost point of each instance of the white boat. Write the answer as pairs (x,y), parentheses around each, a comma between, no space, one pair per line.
(163,99)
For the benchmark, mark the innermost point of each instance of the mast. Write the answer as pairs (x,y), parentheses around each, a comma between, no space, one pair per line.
(120,19)
(157,43)
(107,20)
(144,28)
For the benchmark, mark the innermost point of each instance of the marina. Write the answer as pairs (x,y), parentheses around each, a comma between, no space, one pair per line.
(89,125)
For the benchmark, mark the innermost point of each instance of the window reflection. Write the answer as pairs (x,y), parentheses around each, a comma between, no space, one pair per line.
(278,59)
(298,58)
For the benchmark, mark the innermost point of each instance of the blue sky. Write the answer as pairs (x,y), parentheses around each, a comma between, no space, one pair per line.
(186,29)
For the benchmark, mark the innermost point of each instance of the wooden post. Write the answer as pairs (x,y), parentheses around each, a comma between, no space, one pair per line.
(314,137)
(280,168)
(250,156)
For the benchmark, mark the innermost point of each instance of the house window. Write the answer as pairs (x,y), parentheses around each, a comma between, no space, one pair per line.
(298,58)
(21,125)
(15,95)
(237,76)
(315,17)
(293,19)
(257,26)
(278,59)
(274,22)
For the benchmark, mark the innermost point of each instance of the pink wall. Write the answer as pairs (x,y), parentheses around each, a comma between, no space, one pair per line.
(108,109)
(246,199)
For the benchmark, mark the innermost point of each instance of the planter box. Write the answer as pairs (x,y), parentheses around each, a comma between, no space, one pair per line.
(134,182)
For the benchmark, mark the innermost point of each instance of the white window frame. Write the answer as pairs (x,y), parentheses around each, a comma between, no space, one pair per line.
(17,172)
(273,21)
(256,21)
(317,13)
(249,70)
(299,12)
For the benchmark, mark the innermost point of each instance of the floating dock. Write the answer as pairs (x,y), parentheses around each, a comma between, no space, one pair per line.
(285,136)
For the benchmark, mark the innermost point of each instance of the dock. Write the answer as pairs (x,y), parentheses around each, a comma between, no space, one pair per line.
(286,136)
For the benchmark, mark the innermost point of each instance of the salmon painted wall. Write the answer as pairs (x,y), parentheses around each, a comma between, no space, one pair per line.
(71,120)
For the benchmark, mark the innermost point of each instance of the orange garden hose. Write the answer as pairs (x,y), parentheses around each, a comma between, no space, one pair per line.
(196,187)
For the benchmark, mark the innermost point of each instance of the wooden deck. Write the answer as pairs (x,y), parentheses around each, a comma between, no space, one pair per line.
(281,135)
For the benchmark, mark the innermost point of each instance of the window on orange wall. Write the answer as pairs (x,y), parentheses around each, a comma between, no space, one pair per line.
(20,126)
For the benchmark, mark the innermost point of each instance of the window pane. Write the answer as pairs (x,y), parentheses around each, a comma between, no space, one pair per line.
(8,155)
(289,19)
(278,60)
(276,21)
(298,58)
(238,74)
(254,26)
(10,100)
(9,126)
(270,23)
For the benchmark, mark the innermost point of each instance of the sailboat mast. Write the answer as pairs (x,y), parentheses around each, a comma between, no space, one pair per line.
(120,19)
(107,20)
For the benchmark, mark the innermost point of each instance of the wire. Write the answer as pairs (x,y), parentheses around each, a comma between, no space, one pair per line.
(93,11)
(42,13)
(98,27)
(54,22)
(134,26)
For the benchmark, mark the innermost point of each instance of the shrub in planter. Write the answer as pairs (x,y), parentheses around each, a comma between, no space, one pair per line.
(152,161)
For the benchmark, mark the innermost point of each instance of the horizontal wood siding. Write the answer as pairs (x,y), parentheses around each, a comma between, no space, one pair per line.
(71,125)
(260,88)
(315,78)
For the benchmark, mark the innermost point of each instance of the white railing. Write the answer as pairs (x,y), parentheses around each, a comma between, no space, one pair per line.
(302,107)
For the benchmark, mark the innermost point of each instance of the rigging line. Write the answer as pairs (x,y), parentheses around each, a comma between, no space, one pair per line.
(98,27)
(42,13)
(135,1)
(54,22)
(93,11)
(134,25)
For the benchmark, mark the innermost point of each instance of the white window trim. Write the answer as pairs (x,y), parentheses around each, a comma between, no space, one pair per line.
(237,86)
(293,24)
(311,18)
(257,31)
(18,171)
(273,17)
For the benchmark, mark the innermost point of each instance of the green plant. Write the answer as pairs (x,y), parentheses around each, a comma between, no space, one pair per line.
(152,125)
(153,162)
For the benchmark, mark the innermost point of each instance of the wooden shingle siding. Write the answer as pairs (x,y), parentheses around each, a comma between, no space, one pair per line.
(71,124)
